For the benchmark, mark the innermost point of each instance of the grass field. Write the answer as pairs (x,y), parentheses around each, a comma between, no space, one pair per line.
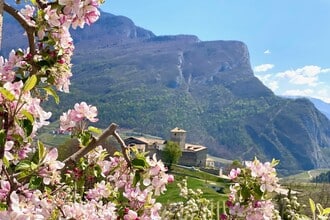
(214,188)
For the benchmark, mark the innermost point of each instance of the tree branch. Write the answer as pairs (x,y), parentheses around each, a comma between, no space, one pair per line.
(111,130)
(30,29)
(123,147)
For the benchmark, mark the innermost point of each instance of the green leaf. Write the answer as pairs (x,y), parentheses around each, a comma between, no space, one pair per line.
(137,178)
(275,162)
(30,83)
(83,163)
(5,162)
(258,193)
(326,211)
(85,138)
(313,208)
(2,138)
(51,91)
(19,53)
(43,63)
(8,95)
(139,163)
(245,192)
(33,166)
(23,174)
(27,126)
(28,115)
(97,171)
(23,165)
(41,151)
(3,206)
(35,182)
(117,154)
(94,130)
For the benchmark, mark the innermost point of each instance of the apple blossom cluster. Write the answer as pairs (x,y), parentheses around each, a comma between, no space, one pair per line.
(98,187)
(54,46)
(79,114)
(249,194)
(118,194)
(26,76)
(21,116)
(20,193)
(34,183)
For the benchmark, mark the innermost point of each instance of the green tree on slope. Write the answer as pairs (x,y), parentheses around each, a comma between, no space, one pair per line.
(171,153)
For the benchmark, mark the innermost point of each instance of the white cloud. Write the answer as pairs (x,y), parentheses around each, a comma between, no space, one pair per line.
(308,75)
(269,81)
(325,70)
(297,92)
(267,52)
(308,81)
(263,67)
(323,94)
(273,85)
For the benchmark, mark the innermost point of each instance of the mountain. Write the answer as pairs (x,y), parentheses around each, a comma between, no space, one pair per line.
(155,83)
(319,104)
(322,106)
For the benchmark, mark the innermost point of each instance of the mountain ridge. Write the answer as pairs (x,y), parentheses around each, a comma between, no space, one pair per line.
(154,83)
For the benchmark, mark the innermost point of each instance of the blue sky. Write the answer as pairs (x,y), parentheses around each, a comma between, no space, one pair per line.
(288,40)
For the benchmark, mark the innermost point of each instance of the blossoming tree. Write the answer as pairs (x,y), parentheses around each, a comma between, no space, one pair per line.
(89,184)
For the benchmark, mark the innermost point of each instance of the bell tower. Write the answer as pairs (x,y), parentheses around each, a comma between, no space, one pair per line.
(178,136)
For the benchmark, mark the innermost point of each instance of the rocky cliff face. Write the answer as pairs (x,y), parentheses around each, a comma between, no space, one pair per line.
(154,83)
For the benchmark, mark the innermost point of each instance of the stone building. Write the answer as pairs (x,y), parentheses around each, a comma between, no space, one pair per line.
(192,154)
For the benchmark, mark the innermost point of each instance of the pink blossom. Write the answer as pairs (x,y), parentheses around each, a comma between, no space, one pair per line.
(52,17)
(71,6)
(78,22)
(15,88)
(23,152)
(131,215)
(8,146)
(237,210)
(51,161)
(82,111)
(33,208)
(65,122)
(91,15)
(100,190)
(155,211)
(156,166)
(50,171)
(170,179)
(5,189)
(234,173)
(41,116)
(28,12)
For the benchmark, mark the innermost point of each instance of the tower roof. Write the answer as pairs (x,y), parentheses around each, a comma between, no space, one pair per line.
(178,130)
